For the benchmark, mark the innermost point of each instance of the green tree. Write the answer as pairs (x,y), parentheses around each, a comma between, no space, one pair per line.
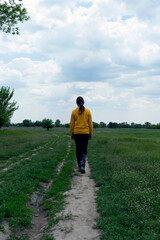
(133,125)
(67,125)
(123,125)
(57,123)
(147,125)
(102,125)
(27,123)
(136,125)
(47,123)
(11,13)
(112,125)
(37,123)
(7,107)
(95,125)
(157,126)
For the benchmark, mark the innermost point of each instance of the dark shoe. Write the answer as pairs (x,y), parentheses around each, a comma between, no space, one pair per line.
(82,170)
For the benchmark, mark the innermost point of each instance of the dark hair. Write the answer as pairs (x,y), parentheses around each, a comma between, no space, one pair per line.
(80,102)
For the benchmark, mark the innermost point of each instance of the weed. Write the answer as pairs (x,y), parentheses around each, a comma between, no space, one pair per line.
(47,237)
(2,229)
(66,230)
(15,237)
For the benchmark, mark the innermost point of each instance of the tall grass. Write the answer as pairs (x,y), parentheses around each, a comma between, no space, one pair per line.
(126,167)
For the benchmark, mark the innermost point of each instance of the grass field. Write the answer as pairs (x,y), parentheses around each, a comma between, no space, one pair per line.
(126,167)
(125,164)
(28,161)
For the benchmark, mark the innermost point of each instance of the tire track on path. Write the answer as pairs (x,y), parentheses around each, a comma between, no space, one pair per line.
(39,221)
(8,164)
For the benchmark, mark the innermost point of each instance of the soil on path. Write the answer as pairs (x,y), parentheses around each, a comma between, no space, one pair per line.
(79,215)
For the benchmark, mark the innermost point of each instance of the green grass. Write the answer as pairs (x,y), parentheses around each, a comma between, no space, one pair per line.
(125,164)
(126,167)
(15,142)
(21,180)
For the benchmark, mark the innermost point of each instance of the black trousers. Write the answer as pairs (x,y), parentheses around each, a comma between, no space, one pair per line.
(81,141)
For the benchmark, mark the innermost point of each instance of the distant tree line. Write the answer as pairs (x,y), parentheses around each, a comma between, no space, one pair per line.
(45,123)
(9,106)
(147,125)
(48,123)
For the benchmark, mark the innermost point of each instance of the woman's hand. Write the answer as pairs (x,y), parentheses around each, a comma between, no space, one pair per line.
(72,137)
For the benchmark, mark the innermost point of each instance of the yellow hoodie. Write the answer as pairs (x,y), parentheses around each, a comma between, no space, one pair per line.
(81,123)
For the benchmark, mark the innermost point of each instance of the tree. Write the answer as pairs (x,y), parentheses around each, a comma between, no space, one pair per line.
(147,125)
(157,126)
(7,107)
(10,14)
(47,123)
(67,125)
(95,125)
(136,125)
(57,123)
(27,123)
(123,125)
(133,125)
(3,118)
(112,125)
(102,125)
(37,123)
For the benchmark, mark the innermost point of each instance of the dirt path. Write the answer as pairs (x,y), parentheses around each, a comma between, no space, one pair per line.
(78,218)
(5,235)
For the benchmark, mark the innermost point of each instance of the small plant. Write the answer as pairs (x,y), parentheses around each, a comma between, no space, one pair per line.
(47,237)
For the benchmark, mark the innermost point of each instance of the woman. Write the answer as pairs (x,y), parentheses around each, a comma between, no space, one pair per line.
(81,129)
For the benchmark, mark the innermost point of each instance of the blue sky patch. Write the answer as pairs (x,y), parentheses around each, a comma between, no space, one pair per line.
(85,5)
(124,18)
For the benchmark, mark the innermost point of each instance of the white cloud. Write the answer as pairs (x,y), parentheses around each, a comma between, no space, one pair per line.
(106,50)
(149,54)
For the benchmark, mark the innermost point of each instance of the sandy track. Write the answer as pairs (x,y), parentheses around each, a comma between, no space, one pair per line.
(80,212)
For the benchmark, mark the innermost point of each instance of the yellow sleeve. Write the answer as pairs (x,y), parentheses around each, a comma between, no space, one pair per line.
(90,124)
(72,123)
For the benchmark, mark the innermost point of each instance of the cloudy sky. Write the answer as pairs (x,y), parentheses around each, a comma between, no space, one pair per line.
(107,51)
